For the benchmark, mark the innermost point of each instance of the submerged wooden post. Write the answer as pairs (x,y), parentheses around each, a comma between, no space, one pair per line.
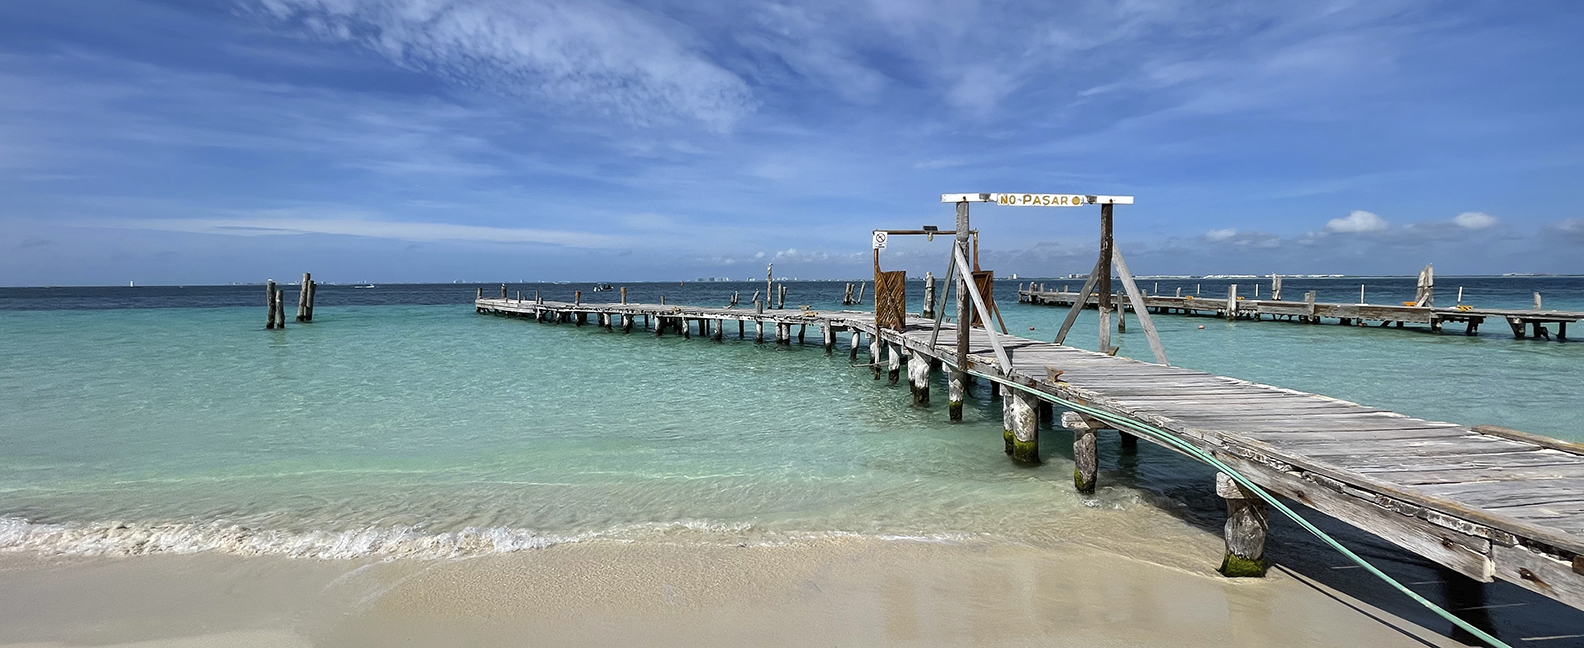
(1025,426)
(280,308)
(1086,464)
(1537,301)
(759,331)
(1245,530)
(269,304)
(1006,417)
(852,347)
(720,330)
(627,322)
(739,329)
(302,297)
(929,296)
(802,328)
(829,338)
(894,364)
(919,378)
(313,291)
(874,355)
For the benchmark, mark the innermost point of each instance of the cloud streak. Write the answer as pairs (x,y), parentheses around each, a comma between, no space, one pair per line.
(582,55)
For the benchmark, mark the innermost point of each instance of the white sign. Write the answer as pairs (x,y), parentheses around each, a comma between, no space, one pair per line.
(880,240)
(1037,200)
(1041,200)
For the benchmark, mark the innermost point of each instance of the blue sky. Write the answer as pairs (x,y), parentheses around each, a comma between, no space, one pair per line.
(490,140)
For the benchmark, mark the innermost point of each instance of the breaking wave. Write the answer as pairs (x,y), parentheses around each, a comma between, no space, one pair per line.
(392,542)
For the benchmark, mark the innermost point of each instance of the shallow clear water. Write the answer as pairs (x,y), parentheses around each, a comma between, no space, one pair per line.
(401,423)
(402,414)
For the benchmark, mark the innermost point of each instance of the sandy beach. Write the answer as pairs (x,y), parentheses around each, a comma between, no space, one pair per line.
(847,592)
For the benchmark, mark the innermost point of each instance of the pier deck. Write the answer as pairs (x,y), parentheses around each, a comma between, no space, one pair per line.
(1523,322)
(1487,502)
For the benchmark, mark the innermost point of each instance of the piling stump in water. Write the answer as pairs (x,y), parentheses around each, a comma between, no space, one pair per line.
(1086,464)
(1006,423)
(302,297)
(1245,530)
(874,355)
(269,304)
(919,378)
(956,388)
(280,308)
(1025,426)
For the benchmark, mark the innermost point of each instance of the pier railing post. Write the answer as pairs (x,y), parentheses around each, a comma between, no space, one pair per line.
(1246,526)
(957,382)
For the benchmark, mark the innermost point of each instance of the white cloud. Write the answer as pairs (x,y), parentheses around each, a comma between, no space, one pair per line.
(618,60)
(372,228)
(1220,234)
(1358,221)
(1475,220)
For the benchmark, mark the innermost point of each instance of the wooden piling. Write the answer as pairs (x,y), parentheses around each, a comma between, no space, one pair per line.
(1086,463)
(759,331)
(828,337)
(302,297)
(1025,426)
(919,378)
(1246,526)
(1106,247)
(1232,304)
(1006,424)
(874,355)
(893,364)
(280,308)
(852,346)
(623,294)
(313,291)
(503,291)
(929,296)
(269,304)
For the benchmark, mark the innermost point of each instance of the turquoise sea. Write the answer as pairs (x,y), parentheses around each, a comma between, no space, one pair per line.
(400,423)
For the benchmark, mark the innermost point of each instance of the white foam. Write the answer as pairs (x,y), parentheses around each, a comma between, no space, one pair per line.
(132,539)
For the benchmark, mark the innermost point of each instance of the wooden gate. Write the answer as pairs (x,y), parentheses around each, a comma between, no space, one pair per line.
(984,280)
(890,299)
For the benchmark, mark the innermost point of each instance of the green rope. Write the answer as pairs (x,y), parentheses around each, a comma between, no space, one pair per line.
(1193,451)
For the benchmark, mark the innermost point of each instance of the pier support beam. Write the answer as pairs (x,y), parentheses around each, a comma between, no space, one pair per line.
(627,322)
(956,388)
(1245,530)
(893,364)
(874,355)
(759,331)
(852,348)
(919,378)
(720,330)
(829,338)
(1025,426)
(1086,463)
(1006,423)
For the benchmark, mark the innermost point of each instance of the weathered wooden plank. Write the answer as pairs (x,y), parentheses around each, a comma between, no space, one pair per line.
(1540,573)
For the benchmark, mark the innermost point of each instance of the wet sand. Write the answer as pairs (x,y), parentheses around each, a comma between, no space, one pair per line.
(821,592)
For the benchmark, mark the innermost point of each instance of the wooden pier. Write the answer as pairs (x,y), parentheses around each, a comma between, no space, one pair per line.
(1486,502)
(1524,323)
